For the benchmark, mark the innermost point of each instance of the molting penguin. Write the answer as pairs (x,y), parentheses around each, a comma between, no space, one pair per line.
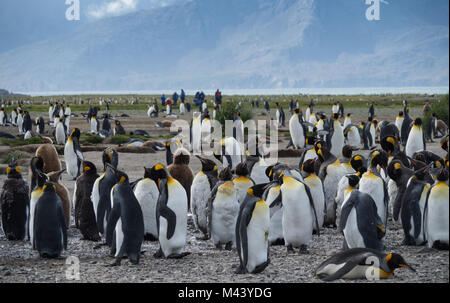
(15,204)
(416,139)
(63,193)
(73,154)
(49,226)
(181,171)
(171,214)
(252,232)
(359,222)
(125,221)
(316,187)
(436,213)
(101,197)
(147,193)
(204,181)
(373,184)
(357,263)
(297,130)
(223,209)
(242,182)
(84,208)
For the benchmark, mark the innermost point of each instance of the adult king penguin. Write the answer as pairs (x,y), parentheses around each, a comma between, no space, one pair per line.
(335,137)
(242,181)
(15,204)
(416,139)
(73,154)
(229,152)
(316,187)
(297,130)
(60,133)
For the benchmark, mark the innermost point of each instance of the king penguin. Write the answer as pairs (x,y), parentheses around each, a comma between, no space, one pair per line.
(416,139)
(204,181)
(125,221)
(272,196)
(73,154)
(147,193)
(171,214)
(297,130)
(181,171)
(63,193)
(252,232)
(229,152)
(355,263)
(15,204)
(335,137)
(436,213)
(316,187)
(196,133)
(60,133)
(223,209)
(242,181)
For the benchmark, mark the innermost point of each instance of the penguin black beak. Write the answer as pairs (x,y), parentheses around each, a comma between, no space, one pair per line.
(60,172)
(407,266)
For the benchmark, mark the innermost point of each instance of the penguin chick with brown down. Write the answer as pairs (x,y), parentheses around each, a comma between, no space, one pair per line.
(50,157)
(62,192)
(84,208)
(181,171)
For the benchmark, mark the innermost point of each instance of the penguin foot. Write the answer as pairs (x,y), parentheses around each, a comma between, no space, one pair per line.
(178,256)
(304,249)
(158,254)
(290,249)
(240,270)
(150,237)
(279,241)
(261,267)
(218,246)
(204,238)
(228,246)
(117,263)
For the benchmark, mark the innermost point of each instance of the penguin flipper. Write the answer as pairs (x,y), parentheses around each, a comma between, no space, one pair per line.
(311,202)
(411,208)
(171,218)
(398,203)
(114,216)
(62,221)
(209,207)
(247,215)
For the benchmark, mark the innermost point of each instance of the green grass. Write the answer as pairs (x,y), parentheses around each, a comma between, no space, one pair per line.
(441,109)
(9,156)
(20,142)
(90,139)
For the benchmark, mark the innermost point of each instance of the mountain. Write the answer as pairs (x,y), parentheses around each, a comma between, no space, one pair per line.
(241,44)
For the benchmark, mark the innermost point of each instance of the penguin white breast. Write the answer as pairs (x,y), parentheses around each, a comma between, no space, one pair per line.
(392,191)
(71,159)
(334,174)
(342,186)
(224,214)
(373,185)
(257,235)
(200,191)
(60,135)
(259,174)
(437,226)
(147,193)
(242,184)
(414,142)
(316,188)
(353,137)
(352,234)
(95,195)
(337,140)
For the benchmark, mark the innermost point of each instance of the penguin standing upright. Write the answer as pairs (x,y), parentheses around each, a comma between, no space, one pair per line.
(73,154)
(40,125)
(299,214)
(416,139)
(238,128)
(436,213)
(118,128)
(313,120)
(413,206)
(125,221)
(147,193)
(171,214)
(222,209)
(20,122)
(50,158)
(94,125)
(196,133)
(60,133)
(252,232)
(101,190)
(360,223)
(399,121)
(50,113)
(272,196)
(181,171)
(398,179)
(316,187)
(296,130)
(36,193)
(356,262)
(63,193)
(347,120)
(242,181)
(280,115)
(230,152)
(3,117)
(49,226)
(335,137)
(106,125)
(84,208)
(15,204)
(373,184)
(406,126)
(27,123)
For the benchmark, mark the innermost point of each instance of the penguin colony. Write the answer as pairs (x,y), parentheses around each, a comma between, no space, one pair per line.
(241,202)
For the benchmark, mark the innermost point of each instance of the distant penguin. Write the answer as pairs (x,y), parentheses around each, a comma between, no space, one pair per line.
(118,129)
(316,188)
(230,152)
(62,191)
(373,184)
(15,204)
(101,190)
(49,226)
(313,120)
(14,117)
(147,193)
(351,133)
(204,181)
(238,128)
(27,122)
(182,108)
(336,137)
(406,126)
(94,125)
(181,171)
(196,131)
(40,125)
(84,208)
(299,214)
(60,133)
(50,113)
(436,213)
(20,122)
(413,206)
(308,113)
(416,139)
(296,130)
(360,223)
(347,120)
(50,157)
(222,209)
(356,263)
(242,181)
(125,222)
(252,232)
(73,154)
(399,121)
(171,214)
(3,117)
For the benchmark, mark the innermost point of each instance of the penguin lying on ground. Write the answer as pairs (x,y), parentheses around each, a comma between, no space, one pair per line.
(358,263)
(15,204)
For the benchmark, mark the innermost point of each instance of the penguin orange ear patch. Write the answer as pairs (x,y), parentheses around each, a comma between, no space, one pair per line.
(159,167)
(87,168)
(8,170)
(388,257)
(18,169)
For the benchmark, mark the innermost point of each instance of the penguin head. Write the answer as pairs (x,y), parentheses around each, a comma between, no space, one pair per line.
(157,172)
(394,261)
(379,157)
(423,172)
(225,174)
(76,133)
(418,122)
(444,143)
(117,122)
(308,166)
(37,163)
(269,172)
(335,117)
(296,111)
(207,164)
(419,157)
(348,115)
(357,162)
(442,175)
(347,151)
(121,177)
(388,144)
(400,113)
(241,169)
(257,190)
(13,170)
(48,187)
(353,180)
(55,176)
(110,156)
(89,168)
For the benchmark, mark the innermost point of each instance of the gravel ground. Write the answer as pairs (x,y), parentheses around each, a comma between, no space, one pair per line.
(18,263)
